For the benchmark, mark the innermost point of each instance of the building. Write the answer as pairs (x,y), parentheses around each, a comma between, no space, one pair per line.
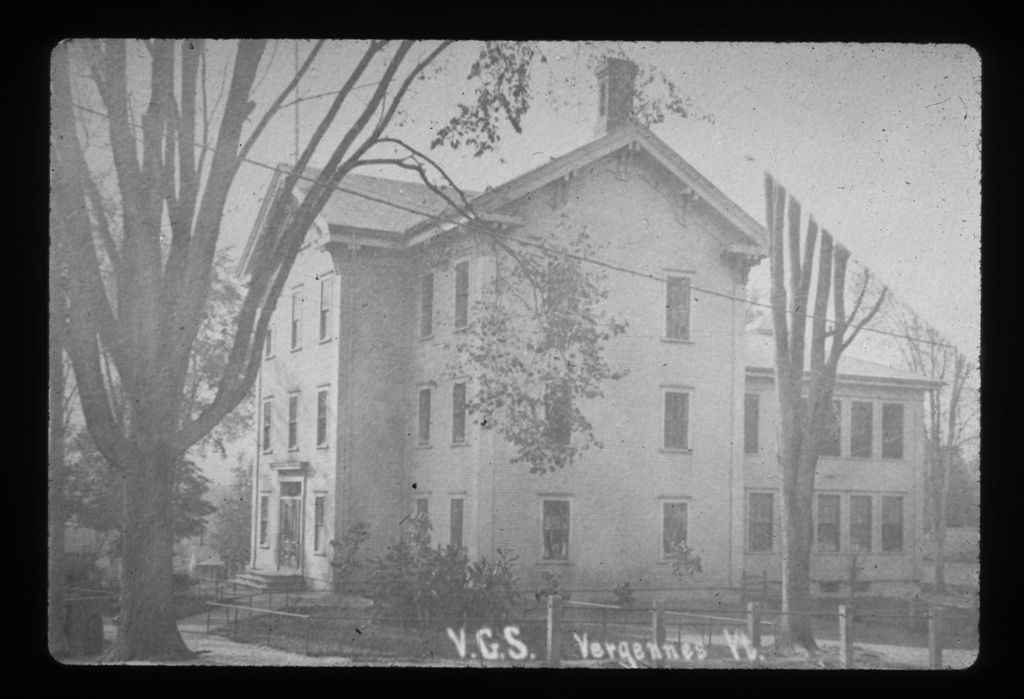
(357,422)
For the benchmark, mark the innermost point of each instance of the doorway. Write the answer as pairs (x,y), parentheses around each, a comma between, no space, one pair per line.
(289,544)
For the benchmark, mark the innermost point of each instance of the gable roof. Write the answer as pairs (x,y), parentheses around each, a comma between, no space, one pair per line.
(761,361)
(403,212)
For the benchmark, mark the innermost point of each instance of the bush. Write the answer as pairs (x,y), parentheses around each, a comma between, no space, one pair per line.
(346,552)
(415,582)
(552,586)
(685,562)
(624,596)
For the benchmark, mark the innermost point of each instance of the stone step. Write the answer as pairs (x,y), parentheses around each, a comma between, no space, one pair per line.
(268,582)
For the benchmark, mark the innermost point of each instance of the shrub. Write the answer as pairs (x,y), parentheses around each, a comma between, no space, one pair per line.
(415,582)
(552,586)
(345,561)
(685,562)
(624,595)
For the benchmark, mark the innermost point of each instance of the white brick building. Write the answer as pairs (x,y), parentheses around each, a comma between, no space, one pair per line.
(358,423)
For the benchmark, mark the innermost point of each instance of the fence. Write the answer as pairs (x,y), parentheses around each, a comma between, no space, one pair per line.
(563,631)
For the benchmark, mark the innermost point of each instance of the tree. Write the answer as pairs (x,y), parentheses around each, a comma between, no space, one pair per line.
(535,347)
(950,415)
(805,401)
(137,291)
(232,528)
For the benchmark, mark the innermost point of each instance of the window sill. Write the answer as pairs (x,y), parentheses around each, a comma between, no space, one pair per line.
(677,340)
(459,331)
(760,553)
(320,554)
(424,338)
(265,547)
(424,446)
(322,447)
(295,349)
(326,340)
(666,450)
(293,450)
(267,451)
(460,444)
(550,562)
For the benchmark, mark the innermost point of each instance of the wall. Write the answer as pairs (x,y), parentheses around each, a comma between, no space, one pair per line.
(845,476)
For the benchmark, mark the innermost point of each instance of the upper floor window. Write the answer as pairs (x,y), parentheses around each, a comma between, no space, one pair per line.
(455,523)
(558,413)
(892,431)
(461,295)
(326,297)
(860,522)
(424,416)
(677,308)
(296,319)
(268,343)
(861,438)
(427,305)
(268,410)
(321,417)
(555,525)
(761,521)
(831,444)
(677,417)
(828,523)
(459,413)
(892,523)
(293,421)
(751,426)
(673,526)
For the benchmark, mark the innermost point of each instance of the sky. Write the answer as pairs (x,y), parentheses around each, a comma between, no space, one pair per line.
(881,142)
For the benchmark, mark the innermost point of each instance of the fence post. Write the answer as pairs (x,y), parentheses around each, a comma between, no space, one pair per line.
(845,636)
(658,625)
(754,624)
(934,642)
(764,585)
(307,636)
(554,653)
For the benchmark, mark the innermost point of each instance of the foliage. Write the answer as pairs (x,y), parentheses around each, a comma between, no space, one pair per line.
(685,562)
(231,535)
(624,595)
(94,492)
(417,582)
(346,552)
(532,375)
(552,585)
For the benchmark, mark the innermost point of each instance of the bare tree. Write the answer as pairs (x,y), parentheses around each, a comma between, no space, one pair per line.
(805,383)
(950,414)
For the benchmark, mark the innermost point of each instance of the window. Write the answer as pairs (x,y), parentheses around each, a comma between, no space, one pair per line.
(751,408)
(461,295)
(264,519)
(761,519)
(677,308)
(325,308)
(673,526)
(459,413)
(860,522)
(267,423)
(427,305)
(319,532)
(424,415)
(455,524)
(268,343)
(892,523)
(321,417)
(602,97)
(860,429)
(296,319)
(556,530)
(832,439)
(677,409)
(293,421)
(892,431)
(558,413)
(423,509)
(828,523)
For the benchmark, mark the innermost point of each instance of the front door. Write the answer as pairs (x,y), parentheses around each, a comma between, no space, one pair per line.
(289,544)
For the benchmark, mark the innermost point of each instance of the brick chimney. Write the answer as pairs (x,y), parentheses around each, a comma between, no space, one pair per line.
(615,78)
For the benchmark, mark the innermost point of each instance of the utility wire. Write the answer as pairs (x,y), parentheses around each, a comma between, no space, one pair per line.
(581,258)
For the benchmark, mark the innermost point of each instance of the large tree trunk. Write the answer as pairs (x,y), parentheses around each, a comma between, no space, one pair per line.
(147,628)
(55,593)
(795,628)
